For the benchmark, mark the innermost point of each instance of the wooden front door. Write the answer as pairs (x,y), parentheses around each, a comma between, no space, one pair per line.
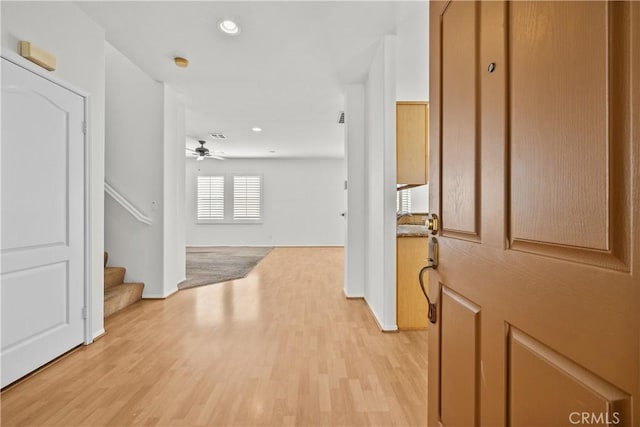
(535,173)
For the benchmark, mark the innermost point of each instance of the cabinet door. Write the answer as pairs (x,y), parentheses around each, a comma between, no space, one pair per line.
(411,303)
(411,142)
(535,174)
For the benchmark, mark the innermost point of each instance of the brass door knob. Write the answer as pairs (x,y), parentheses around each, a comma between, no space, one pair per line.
(433,223)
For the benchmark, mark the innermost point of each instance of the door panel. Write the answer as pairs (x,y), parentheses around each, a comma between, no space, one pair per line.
(42,243)
(541,378)
(460,359)
(50,282)
(573,63)
(551,291)
(460,201)
(42,192)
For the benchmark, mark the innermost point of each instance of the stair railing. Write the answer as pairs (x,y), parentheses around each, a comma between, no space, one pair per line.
(126,204)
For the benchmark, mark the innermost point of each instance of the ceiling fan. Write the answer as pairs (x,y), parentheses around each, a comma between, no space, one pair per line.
(202,152)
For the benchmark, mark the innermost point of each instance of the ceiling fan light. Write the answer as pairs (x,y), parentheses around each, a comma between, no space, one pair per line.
(200,158)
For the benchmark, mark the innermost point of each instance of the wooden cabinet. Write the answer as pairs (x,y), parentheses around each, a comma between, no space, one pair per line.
(412,130)
(411,309)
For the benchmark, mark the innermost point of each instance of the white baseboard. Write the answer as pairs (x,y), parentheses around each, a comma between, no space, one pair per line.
(389,328)
(253,245)
(352,296)
(98,334)
(383,327)
(159,295)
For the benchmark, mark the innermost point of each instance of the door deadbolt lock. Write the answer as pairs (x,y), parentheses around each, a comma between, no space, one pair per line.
(433,223)
(434,253)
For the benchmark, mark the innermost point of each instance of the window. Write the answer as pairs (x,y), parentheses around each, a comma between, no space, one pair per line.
(247,197)
(403,201)
(229,199)
(210,197)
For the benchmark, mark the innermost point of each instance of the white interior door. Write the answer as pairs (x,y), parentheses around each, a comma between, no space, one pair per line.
(42,244)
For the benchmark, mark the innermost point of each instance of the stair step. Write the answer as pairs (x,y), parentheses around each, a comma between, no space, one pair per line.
(121,296)
(113,276)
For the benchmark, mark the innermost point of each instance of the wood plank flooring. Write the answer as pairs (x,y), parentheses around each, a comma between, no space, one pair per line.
(281,347)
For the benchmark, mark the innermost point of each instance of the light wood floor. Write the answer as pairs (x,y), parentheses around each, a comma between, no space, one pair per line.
(281,347)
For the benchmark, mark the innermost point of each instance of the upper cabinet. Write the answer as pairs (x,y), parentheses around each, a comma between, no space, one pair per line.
(412,130)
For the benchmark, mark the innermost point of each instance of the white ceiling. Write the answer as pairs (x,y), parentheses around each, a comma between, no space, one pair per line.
(284,72)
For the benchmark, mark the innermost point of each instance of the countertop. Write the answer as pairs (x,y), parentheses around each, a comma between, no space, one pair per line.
(409,230)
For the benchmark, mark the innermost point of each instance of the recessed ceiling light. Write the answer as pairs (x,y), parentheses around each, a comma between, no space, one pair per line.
(228,26)
(256,129)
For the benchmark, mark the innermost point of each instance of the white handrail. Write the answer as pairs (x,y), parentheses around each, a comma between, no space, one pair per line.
(125,204)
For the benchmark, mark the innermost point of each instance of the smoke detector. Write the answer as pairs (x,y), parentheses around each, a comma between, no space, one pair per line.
(181,62)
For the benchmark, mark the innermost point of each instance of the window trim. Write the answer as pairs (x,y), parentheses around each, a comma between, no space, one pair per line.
(228,200)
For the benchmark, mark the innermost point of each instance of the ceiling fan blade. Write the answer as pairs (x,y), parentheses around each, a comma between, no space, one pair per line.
(202,152)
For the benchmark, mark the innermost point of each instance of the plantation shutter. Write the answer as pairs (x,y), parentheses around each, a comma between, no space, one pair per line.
(247,197)
(210,197)
(404,201)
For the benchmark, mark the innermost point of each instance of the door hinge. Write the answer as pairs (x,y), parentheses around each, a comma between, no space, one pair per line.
(84,127)
(84,312)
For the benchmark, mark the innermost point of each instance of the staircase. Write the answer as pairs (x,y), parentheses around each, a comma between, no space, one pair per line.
(117,294)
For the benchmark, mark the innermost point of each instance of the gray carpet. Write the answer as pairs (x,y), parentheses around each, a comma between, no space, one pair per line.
(216,264)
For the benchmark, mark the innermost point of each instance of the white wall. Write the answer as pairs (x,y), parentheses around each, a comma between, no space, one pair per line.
(412,74)
(78,43)
(145,136)
(399,71)
(303,199)
(389,183)
(174,227)
(380,185)
(354,157)
(134,164)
